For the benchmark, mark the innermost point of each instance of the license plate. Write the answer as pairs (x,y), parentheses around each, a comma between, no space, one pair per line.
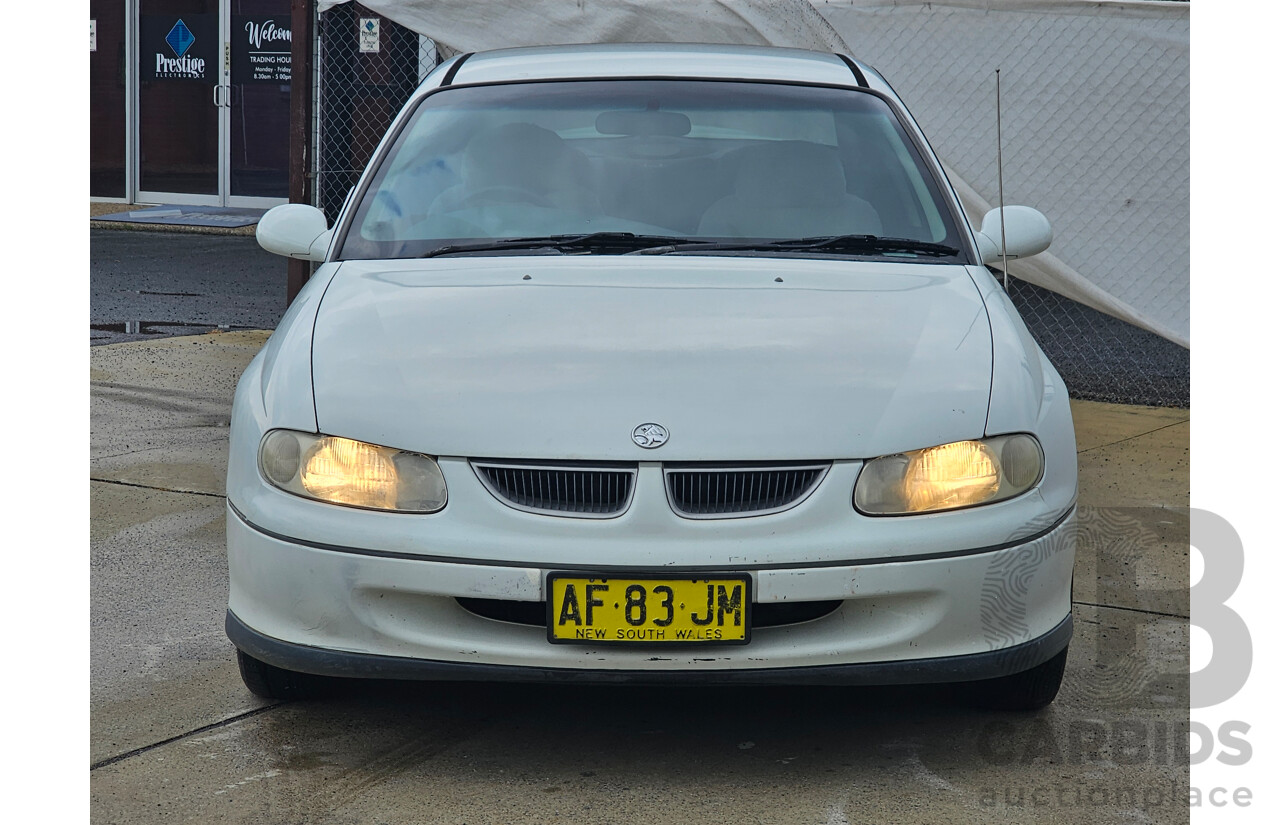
(648,610)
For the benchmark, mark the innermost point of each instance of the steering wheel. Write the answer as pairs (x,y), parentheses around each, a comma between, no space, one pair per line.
(504,193)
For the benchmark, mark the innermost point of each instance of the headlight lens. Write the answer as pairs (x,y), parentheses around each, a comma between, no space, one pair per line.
(960,474)
(343,471)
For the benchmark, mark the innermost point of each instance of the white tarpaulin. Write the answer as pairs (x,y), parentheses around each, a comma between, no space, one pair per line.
(1096,108)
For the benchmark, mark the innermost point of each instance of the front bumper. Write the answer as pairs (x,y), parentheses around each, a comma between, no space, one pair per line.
(328,610)
(988,665)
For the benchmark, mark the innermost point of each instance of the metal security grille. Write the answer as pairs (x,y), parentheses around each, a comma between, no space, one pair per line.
(580,492)
(359,93)
(732,492)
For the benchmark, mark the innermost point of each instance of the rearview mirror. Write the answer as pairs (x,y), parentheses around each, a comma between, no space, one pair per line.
(295,230)
(1026,233)
(647,122)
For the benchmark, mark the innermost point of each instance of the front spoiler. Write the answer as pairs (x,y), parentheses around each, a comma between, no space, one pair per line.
(965,668)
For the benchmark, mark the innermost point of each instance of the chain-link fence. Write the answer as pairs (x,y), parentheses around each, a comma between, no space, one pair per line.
(360,90)
(1103,358)
(362,81)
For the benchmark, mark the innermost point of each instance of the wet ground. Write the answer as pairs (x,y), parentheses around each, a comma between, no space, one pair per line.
(175,737)
(146,285)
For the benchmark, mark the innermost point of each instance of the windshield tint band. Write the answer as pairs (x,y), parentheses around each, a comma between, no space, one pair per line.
(453,70)
(853,67)
(932,192)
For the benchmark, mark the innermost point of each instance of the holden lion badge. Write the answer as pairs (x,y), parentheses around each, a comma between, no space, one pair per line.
(649,436)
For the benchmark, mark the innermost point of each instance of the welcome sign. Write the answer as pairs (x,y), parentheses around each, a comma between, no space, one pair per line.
(261,49)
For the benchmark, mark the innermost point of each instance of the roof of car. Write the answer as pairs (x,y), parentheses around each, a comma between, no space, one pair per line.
(662,60)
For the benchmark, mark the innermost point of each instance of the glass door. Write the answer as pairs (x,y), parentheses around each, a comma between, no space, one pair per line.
(108,107)
(179,133)
(213,102)
(258,100)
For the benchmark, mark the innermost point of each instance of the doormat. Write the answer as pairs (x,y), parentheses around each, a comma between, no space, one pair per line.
(226,216)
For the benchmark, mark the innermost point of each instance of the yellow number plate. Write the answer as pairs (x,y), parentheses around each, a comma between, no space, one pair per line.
(640,610)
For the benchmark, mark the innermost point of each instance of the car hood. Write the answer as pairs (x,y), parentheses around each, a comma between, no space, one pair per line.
(739,358)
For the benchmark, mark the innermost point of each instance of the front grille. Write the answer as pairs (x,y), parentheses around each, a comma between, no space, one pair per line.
(766,614)
(736,492)
(566,490)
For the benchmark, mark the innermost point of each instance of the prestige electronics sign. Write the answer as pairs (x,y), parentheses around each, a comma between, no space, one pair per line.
(261,50)
(179,48)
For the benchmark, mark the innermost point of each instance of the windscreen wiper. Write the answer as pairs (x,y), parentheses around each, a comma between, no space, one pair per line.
(870,244)
(593,242)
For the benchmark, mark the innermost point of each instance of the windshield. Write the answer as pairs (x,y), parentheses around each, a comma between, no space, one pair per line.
(721,162)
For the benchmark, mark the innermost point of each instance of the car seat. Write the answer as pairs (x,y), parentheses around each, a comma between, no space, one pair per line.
(788,189)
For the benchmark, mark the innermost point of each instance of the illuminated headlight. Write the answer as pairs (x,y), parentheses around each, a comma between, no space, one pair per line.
(960,474)
(342,471)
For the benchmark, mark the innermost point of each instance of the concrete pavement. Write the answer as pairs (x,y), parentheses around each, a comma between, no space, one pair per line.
(176,738)
(102,210)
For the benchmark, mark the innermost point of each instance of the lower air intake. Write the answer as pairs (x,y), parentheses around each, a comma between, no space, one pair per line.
(767,614)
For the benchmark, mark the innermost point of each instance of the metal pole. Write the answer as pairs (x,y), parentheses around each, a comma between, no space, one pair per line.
(1004,253)
(302,17)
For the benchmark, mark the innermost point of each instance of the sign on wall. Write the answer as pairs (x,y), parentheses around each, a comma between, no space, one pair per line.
(93,35)
(179,48)
(369,34)
(261,50)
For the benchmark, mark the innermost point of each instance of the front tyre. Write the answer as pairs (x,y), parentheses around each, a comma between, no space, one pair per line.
(271,682)
(1028,690)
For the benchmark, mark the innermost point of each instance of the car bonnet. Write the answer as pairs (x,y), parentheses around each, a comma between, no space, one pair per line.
(736,357)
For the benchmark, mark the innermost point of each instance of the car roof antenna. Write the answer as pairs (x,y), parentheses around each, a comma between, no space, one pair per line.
(1004,252)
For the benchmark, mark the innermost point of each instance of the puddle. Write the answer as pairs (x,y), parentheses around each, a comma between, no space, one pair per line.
(159,327)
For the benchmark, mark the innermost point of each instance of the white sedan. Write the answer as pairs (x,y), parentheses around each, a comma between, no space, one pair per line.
(660,364)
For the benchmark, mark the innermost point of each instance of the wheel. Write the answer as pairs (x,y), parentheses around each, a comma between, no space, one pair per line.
(1029,690)
(271,682)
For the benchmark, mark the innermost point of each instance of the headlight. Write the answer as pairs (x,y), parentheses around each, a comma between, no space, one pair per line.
(960,474)
(342,471)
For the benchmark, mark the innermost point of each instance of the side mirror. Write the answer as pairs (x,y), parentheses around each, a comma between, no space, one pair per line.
(1026,233)
(295,230)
